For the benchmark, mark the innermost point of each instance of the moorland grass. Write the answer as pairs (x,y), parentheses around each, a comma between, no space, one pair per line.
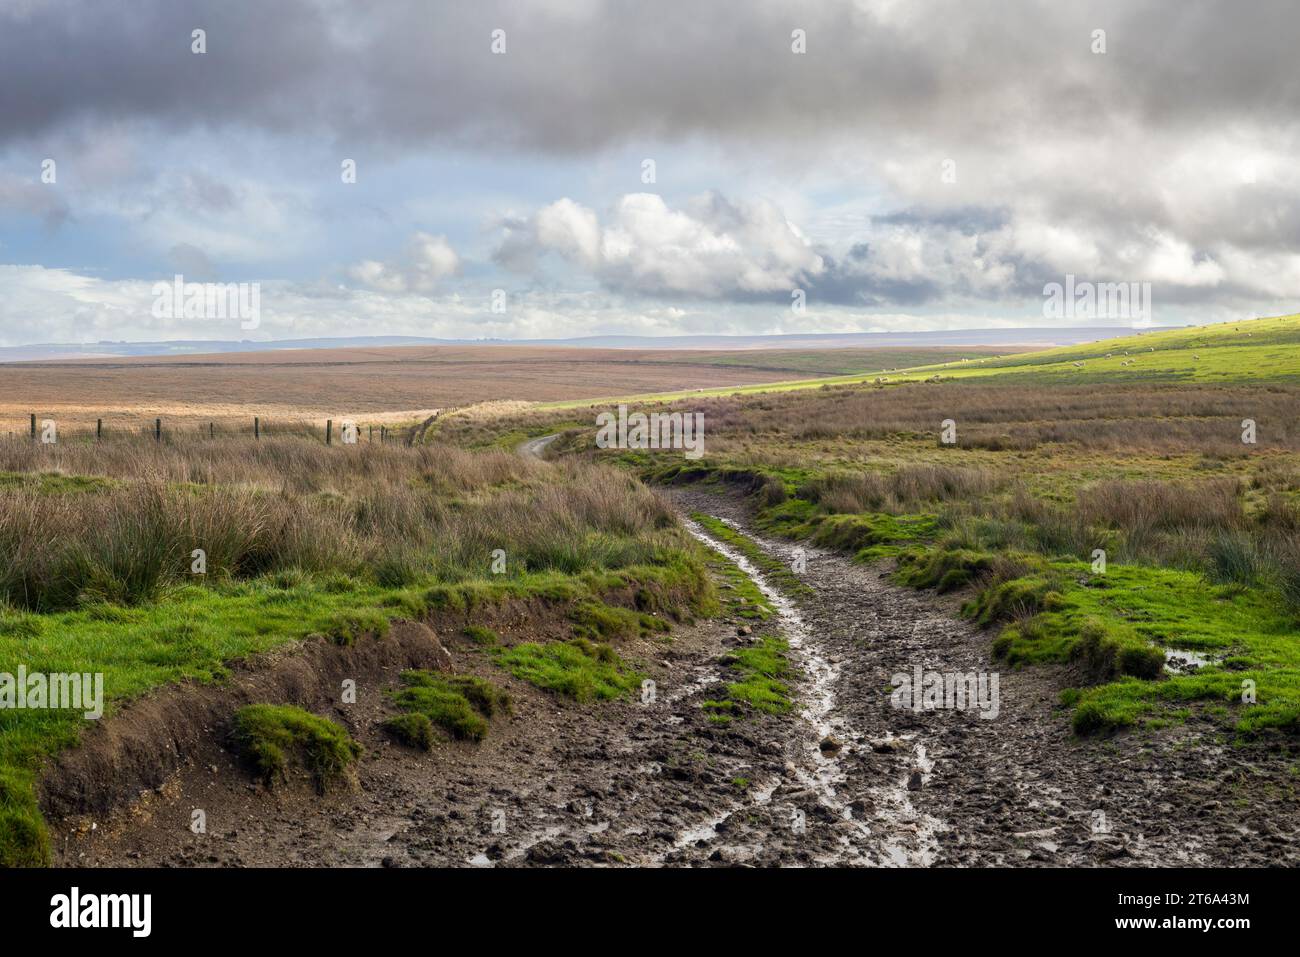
(300,539)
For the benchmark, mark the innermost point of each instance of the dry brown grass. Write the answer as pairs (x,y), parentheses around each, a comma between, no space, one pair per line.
(900,490)
(1161,419)
(1204,419)
(1143,507)
(390,514)
(275,463)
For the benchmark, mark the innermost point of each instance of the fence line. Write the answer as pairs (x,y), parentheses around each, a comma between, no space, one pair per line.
(260,427)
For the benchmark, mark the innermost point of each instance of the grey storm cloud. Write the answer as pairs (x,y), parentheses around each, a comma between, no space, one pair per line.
(578,74)
(28,197)
(1167,158)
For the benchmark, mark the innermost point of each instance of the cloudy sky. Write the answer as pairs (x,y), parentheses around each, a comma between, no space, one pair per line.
(618,166)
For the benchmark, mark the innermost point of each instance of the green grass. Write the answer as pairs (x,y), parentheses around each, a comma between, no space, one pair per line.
(868,536)
(784,385)
(676,584)
(739,595)
(764,666)
(55,483)
(481,635)
(1116,627)
(511,439)
(345,627)
(24,839)
(1238,351)
(833,361)
(412,728)
(598,621)
(459,705)
(763,669)
(269,737)
(193,635)
(577,668)
(777,572)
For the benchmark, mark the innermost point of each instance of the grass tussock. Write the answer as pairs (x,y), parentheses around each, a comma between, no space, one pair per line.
(578,668)
(461,706)
(269,737)
(345,627)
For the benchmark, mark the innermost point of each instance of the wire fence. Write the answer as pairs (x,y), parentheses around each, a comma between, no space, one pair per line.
(47,429)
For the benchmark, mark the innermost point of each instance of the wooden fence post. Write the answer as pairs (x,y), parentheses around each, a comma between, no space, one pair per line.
(157,430)
(210,430)
(257,427)
(33,426)
(329,429)
(99,429)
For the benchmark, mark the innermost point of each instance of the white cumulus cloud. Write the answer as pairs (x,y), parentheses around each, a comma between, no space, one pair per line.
(712,248)
(428,259)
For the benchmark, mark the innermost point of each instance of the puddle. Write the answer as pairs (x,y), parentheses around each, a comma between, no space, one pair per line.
(1180,660)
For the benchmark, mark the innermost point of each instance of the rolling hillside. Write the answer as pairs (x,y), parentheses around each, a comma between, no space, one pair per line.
(1249,350)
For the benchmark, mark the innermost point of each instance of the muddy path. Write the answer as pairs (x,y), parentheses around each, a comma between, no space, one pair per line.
(1018,788)
(844,779)
(536,448)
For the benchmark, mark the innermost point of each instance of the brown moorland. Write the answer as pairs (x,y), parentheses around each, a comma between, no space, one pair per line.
(392,384)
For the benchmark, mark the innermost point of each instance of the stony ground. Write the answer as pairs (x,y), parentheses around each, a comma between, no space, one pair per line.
(846,779)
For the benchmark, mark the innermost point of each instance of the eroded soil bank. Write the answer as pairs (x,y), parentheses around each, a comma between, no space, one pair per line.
(845,778)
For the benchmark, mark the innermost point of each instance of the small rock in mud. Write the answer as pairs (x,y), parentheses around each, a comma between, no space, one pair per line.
(830,744)
(914,781)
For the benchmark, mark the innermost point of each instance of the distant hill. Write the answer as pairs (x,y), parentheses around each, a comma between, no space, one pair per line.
(1244,350)
(1005,338)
